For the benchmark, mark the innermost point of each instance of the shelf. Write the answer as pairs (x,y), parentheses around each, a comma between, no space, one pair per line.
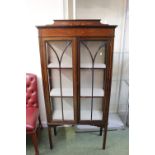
(86,115)
(85,92)
(96,65)
(83,66)
(56,66)
(68,115)
(66,92)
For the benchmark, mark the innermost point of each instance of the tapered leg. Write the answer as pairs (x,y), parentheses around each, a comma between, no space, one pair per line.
(104,137)
(50,137)
(100,131)
(35,143)
(40,125)
(55,130)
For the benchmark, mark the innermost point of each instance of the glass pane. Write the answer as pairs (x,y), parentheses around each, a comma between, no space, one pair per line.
(97,109)
(85,81)
(92,65)
(66,82)
(85,111)
(68,110)
(98,78)
(59,56)
(59,51)
(92,52)
(56,106)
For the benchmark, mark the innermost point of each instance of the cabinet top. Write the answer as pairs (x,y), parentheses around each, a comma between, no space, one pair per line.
(77,23)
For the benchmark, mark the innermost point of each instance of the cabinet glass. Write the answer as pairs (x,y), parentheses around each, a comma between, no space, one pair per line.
(59,58)
(92,66)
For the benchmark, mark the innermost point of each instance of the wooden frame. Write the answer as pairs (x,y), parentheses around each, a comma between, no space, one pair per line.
(77,31)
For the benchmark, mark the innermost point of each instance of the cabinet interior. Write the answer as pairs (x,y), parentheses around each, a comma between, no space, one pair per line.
(60,71)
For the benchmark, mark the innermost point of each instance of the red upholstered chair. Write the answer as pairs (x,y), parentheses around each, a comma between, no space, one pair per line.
(32,109)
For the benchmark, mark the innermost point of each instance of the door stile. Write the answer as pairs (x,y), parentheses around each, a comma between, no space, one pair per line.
(75,79)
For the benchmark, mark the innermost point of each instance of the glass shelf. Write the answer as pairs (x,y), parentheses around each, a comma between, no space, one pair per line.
(96,66)
(56,66)
(83,66)
(85,92)
(67,92)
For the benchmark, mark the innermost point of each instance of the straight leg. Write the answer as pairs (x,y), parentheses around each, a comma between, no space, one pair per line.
(104,137)
(100,131)
(35,143)
(50,137)
(55,130)
(40,125)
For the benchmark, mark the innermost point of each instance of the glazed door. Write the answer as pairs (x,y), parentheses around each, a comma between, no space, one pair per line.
(92,60)
(60,69)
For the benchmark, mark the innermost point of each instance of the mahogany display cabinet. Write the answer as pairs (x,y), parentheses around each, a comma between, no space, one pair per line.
(76,61)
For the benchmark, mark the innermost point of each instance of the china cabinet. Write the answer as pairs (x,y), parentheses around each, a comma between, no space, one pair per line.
(76,61)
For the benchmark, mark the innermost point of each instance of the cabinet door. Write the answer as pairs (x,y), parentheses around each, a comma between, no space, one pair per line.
(92,59)
(59,55)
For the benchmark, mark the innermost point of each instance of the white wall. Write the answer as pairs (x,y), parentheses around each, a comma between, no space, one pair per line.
(109,11)
(39,12)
